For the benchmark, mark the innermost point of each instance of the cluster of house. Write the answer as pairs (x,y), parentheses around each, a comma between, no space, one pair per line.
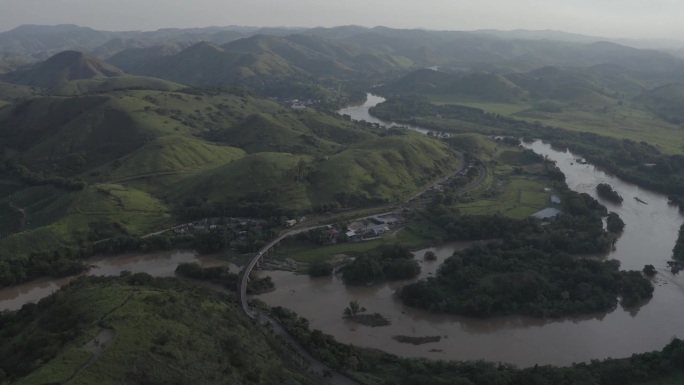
(293,222)
(207,224)
(373,228)
(549,212)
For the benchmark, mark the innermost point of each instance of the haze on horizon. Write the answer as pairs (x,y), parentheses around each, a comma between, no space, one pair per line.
(608,18)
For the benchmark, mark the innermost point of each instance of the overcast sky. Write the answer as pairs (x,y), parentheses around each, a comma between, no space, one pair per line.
(610,18)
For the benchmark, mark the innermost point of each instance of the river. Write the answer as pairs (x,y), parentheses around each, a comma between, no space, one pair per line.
(159,264)
(649,236)
(650,233)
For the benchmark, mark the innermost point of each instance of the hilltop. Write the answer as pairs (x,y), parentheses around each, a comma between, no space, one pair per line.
(111,161)
(137,329)
(61,68)
(666,101)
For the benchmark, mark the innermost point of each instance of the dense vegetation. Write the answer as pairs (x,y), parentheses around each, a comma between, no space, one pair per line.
(614,223)
(374,367)
(165,331)
(500,278)
(678,251)
(531,269)
(634,161)
(604,190)
(389,262)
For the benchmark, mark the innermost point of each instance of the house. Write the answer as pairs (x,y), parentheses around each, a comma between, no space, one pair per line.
(379,230)
(391,221)
(290,223)
(555,199)
(297,106)
(377,220)
(547,213)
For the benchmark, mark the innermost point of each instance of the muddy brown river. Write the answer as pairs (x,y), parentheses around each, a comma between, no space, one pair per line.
(160,264)
(649,236)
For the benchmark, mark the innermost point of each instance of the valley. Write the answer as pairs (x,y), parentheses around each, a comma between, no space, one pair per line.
(444,182)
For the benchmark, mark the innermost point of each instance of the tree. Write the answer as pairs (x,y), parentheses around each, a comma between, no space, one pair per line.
(649,270)
(353,309)
(430,256)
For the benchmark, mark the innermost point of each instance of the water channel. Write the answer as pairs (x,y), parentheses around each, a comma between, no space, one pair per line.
(650,233)
(160,264)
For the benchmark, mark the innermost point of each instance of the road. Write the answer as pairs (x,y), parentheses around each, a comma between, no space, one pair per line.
(316,365)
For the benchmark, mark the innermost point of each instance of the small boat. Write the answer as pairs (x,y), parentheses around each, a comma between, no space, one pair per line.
(639,200)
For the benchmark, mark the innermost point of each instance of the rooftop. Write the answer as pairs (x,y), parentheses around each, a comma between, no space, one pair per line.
(547,213)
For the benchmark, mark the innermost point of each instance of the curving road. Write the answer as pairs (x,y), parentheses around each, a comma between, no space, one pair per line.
(317,366)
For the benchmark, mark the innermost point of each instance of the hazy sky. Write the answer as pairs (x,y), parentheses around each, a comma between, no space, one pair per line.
(610,18)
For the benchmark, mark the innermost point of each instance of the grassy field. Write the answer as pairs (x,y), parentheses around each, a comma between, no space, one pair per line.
(174,333)
(57,218)
(520,197)
(504,191)
(388,169)
(310,253)
(617,121)
(89,86)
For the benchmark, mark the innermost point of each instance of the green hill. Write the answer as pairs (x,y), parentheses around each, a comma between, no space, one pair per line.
(302,132)
(667,102)
(143,58)
(11,92)
(388,169)
(168,158)
(139,330)
(208,64)
(57,218)
(61,68)
(95,86)
(420,81)
(72,135)
(488,87)
(265,177)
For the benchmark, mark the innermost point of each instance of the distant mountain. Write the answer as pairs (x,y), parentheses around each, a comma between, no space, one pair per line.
(208,64)
(561,85)
(666,101)
(255,61)
(37,38)
(61,68)
(143,59)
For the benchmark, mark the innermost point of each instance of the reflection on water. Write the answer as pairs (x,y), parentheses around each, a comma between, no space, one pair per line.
(161,264)
(360,112)
(650,234)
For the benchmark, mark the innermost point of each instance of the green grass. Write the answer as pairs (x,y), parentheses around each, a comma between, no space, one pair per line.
(389,169)
(56,218)
(310,253)
(622,122)
(520,198)
(497,108)
(168,155)
(504,191)
(265,176)
(172,333)
(89,86)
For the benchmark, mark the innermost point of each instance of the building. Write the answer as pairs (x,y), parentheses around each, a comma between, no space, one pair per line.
(291,222)
(379,229)
(547,213)
(377,220)
(391,221)
(555,199)
(297,106)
